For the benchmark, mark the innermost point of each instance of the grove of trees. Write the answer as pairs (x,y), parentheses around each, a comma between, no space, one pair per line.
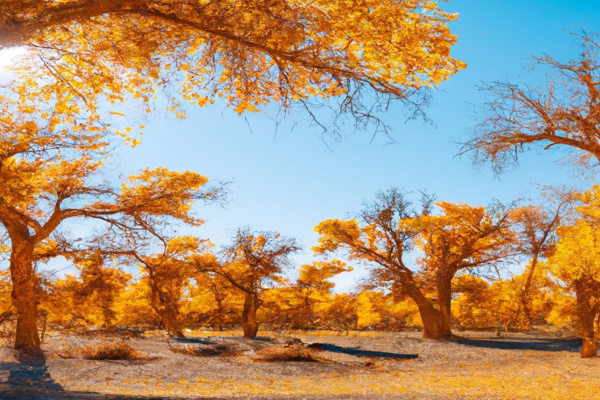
(434,265)
(513,266)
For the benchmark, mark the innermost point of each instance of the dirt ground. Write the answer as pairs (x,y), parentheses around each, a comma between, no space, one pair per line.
(377,365)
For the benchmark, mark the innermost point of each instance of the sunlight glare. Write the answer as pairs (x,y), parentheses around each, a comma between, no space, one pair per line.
(9,55)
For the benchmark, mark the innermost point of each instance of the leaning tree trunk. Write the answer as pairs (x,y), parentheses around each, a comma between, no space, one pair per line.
(249,323)
(24,298)
(585,318)
(171,325)
(525,295)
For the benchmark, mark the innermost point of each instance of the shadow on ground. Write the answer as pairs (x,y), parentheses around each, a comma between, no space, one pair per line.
(353,351)
(573,345)
(29,379)
(361,353)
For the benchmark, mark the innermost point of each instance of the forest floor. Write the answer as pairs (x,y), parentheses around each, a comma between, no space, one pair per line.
(377,365)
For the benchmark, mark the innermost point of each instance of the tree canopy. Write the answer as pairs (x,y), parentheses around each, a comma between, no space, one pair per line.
(249,53)
(562,111)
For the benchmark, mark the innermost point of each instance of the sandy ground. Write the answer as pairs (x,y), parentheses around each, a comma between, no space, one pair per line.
(353,365)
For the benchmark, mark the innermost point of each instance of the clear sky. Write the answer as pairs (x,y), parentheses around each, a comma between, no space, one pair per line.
(288,180)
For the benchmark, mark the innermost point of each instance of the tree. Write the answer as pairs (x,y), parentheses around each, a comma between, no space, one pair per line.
(461,238)
(341,312)
(576,263)
(100,285)
(565,111)
(378,311)
(249,53)
(133,306)
(314,290)
(6,308)
(536,231)
(252,261)
(87,300)
(50,176)
(472,306)
(167,273)
(214,302)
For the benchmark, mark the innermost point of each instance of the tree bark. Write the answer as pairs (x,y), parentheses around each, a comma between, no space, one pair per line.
(24,298)
(585,318)
(249,323)
(170,323)
(19,29)
(444,300)
(435,324)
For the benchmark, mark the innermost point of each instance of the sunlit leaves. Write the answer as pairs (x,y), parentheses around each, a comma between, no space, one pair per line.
(577,254)
(163,192)
(334,232)
(464,236)
(578,249)
(247,53)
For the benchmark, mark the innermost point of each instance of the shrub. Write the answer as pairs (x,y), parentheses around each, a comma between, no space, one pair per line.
(285,353)
(109,351)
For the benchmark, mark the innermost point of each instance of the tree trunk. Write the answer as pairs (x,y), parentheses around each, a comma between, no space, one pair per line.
(165,310)
(436,325)
(525,295)
(171,325)
(24,298)
(249,323)
(585,318)
(589,348)
(108,314)
(220,310)
(444,300)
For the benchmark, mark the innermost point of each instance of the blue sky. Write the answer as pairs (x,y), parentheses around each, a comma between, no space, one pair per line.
(288,180)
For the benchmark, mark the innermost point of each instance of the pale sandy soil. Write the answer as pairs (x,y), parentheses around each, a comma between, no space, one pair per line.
(515,366)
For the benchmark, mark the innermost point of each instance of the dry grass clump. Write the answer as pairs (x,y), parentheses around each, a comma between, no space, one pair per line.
(109,351)
(286,353)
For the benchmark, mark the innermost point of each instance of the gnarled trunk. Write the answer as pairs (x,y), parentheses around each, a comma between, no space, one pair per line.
(24,298)
(435,325)
(436,322)
(249,323)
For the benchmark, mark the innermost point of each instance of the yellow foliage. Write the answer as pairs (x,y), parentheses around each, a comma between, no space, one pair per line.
(577,253)
(249,53)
